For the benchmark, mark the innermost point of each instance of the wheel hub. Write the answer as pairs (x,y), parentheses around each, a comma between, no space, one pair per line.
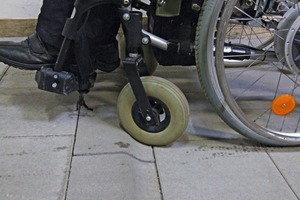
(292,46)
(162,116)
(286,40)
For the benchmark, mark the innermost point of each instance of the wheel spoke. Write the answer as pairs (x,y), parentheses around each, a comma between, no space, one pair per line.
(258,99)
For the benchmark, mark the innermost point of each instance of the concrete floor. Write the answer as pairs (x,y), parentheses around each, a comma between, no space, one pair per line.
(49,152)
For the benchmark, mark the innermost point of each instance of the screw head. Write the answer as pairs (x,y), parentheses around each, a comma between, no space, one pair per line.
(126,2)
(54,85)
(126,16)
(145,40)
(148,118)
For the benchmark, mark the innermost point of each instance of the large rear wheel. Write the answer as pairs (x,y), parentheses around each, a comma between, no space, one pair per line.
(259,98)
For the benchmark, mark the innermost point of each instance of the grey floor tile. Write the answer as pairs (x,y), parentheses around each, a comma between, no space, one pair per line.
(3,69)
(100,131)
(34,168)
(204,121)
(211,169)
(114,177)
(210,161)
(108,163)
(29,111)
(36,137)
(18,79)
(287,161)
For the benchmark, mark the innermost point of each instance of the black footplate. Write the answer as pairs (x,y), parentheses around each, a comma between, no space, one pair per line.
(58,82)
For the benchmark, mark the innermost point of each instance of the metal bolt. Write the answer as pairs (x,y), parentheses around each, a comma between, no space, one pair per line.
(148,118)
(55,76)
(196,7)
(126,2)
(145,40)
(126,17)
(54,85)
(161,2)
(133,55)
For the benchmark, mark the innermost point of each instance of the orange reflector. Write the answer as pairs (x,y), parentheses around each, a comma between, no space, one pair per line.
(283,104)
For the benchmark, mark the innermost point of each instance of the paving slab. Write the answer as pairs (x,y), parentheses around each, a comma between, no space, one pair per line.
(113,176)
(287,161)
(212,169)
(212,161)
(99,131)
(204,121)
(3,69)
(34,168)
(36,138)
(107,162)
(30,111)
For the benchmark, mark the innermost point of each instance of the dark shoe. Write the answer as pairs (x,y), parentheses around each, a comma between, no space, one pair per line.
(28,54)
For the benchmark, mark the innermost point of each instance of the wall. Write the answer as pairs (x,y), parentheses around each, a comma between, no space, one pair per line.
(16,9)
(18,17)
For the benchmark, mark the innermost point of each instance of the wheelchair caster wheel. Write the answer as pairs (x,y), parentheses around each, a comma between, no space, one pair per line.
(169,105)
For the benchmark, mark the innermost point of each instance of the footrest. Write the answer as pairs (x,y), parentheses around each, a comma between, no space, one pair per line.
(58,82)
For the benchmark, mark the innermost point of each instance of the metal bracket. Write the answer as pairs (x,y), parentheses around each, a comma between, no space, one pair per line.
(131,66)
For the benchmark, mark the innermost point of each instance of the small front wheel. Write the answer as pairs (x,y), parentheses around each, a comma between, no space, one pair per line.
(169,106)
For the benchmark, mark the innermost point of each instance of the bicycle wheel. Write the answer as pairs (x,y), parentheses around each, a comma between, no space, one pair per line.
(258,101)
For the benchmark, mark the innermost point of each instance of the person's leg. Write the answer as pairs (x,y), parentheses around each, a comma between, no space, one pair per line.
(41,48)
(101,30)
(51,21)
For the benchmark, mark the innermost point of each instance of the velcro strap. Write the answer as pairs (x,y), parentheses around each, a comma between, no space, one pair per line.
(36,44)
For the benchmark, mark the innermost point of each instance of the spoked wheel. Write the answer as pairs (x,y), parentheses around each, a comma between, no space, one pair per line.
(248,61)
(169,106)
(260,101)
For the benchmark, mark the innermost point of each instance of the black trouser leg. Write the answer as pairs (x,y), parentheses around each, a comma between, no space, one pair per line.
(51,21)
(101,30)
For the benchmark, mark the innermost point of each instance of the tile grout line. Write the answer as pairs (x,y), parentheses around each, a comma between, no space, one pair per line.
(3,74)
(35,136)
(157,174)
(114,153)
(290,186)
(72,154)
